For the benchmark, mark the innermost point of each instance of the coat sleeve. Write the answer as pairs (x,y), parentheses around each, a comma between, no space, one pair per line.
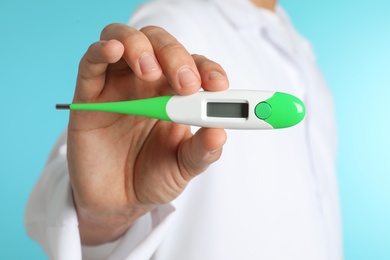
(50,216)
(51,219)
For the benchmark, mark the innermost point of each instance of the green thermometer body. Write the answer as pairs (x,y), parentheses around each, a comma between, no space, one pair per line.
(230,109)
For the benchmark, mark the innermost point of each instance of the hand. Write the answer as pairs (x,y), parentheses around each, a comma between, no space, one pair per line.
(122,166)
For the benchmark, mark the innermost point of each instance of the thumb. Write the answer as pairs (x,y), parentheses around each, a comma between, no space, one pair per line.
(200,151)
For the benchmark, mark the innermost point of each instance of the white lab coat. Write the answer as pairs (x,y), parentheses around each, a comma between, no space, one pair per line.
(272,195)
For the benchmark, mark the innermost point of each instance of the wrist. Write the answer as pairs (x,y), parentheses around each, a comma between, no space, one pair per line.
(102,226)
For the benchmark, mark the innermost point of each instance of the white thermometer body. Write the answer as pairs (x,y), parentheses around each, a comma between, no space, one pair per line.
(227,109)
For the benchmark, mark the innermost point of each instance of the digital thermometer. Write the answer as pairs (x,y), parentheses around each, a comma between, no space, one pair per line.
(230,109)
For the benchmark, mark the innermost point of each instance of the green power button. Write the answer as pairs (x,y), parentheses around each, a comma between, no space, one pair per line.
(263,110)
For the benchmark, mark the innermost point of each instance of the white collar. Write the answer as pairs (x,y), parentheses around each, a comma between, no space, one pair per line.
(243,15)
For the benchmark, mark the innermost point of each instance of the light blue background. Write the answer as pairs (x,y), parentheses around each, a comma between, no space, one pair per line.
(42,42)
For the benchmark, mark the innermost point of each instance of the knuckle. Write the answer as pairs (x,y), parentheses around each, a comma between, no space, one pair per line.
(107,29)
(170,48)
(163,41)
(134,39)
(120,32)
(152,29)
(198,57)
(205,62)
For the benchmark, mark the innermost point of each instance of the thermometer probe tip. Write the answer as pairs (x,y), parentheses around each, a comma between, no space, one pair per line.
(63,106)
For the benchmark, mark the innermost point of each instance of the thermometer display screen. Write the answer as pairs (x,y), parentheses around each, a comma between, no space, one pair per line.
(233,110)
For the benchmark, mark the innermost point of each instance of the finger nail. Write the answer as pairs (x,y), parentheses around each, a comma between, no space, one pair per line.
(187,78)
(216,150)
(148,64)
(211,153)
(215,75)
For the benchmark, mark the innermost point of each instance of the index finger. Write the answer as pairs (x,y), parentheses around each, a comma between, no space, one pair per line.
(92,69)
